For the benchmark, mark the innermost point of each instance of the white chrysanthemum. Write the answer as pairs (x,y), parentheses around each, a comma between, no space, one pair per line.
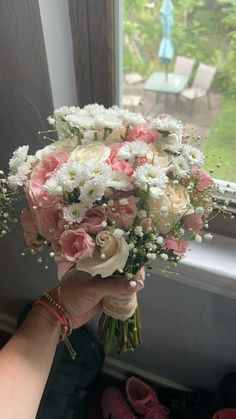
(80,121)
(150,176)
(74,213)
(20,177)
(53,185)
(129,118)
(92,191)
(97,168)
(171,142)
(18,158)
(94,108)
(132,150)
(107,120)
(117,180)
(180,167)
(71,175)
(61,112)
(193,155)
(167,124)
(51,120)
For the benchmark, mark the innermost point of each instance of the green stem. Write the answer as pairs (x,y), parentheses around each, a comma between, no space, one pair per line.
(111,334)
(127,334)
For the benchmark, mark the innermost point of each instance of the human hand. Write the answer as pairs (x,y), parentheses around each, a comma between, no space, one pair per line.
(82,294)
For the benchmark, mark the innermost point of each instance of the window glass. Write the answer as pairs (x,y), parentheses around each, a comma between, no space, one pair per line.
(204,33)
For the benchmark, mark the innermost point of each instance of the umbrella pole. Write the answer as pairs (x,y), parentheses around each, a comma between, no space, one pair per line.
(166,72)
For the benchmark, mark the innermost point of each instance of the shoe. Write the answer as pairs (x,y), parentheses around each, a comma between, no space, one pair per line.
(225,414)
(114,405)
(144,401)
(226,392)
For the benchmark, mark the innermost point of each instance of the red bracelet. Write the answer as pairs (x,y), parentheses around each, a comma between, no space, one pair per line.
(60,313)
(56,314)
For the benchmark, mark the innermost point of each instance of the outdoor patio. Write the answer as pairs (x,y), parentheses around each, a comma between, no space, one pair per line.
(199,117)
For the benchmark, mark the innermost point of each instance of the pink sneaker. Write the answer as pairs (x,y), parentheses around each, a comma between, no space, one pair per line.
(114,405)
(144,400)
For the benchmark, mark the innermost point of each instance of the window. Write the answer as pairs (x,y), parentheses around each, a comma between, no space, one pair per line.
(204,33)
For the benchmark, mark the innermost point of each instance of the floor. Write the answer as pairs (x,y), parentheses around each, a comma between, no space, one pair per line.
(182,405)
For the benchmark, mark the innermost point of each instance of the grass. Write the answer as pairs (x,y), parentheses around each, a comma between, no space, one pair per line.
(221,142)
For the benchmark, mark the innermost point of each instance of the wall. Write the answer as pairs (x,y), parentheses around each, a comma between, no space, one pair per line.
(58,43)
(36,76)
(189,335)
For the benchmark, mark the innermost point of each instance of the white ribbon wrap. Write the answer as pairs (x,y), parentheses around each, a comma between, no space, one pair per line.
(120,307)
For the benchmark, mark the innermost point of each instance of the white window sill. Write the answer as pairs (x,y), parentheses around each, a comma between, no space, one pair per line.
(210,266)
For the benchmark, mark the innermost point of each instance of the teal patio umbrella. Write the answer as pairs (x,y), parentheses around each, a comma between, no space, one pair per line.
(166,50)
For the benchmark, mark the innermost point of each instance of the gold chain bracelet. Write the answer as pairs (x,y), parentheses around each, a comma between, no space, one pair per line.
(60,308)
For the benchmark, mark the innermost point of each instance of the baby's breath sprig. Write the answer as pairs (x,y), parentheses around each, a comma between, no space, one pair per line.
(7,211)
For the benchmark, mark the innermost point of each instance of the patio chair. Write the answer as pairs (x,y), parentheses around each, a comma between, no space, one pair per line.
(201,84)
(183,65)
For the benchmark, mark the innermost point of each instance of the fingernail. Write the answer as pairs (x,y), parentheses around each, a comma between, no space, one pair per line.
(141,282)
(133,284)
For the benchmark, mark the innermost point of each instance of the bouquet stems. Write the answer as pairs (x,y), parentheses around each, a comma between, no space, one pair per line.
(126,334)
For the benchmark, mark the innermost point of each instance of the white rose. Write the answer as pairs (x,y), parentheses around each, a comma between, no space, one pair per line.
(158,157)
(66,145)
(96,151)
(115,251)
(176,202)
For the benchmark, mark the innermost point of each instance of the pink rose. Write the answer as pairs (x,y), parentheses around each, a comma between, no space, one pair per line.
(122,212)
(35,191)
(114,150)
(49,222)
(93,219)
(76,245)
(142,133)
(117,164)
(204,180)
(192,222)
(122,166)
(177,245)
(30,230)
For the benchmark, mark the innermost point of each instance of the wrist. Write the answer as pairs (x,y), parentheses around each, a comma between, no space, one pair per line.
(58,295)
(59,314)
(43,313)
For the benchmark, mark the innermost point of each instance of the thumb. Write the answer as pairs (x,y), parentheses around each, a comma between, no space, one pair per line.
(118,285)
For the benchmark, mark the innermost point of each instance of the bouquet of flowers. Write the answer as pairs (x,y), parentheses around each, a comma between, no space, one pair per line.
(112,194)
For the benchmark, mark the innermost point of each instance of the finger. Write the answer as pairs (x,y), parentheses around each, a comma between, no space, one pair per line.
(116,285)
(84,318)
(140,275)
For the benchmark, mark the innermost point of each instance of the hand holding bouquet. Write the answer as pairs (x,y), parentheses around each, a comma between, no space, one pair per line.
(111,195)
